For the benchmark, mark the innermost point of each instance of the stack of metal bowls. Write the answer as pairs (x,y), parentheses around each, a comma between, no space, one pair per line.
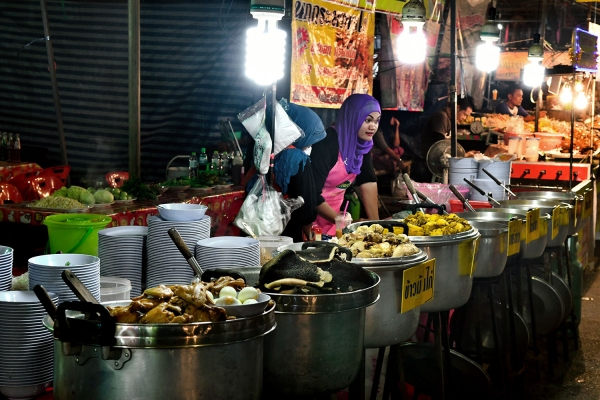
(546,207)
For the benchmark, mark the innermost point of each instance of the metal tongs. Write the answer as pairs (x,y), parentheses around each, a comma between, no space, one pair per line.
(488,195)
(461,198)
(185,251)
(419,196)
(499,183)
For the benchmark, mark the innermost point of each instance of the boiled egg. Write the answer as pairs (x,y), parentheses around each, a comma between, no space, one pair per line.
(250,301)
(228,291)
(247,293)
(210,296)
(227,301)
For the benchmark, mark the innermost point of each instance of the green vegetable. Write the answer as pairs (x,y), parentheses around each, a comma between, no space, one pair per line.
(103,196)
(62,192)
(136,188)
(87,198)
(58,202)
(67,263)
(75,191)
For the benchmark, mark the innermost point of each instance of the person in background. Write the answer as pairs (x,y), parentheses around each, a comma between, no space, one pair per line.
(386,157)
(292,170)
(512,106)
(343,158)
(437,128)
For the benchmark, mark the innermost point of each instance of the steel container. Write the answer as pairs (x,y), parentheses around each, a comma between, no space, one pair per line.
(545,208)
(317,347)
(384,324)
(533,249)
(493,246)
(165,361)
(455,256)
(570,198)
(503,219)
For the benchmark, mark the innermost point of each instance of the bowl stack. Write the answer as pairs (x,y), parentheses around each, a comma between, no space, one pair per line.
(6,264)
(122,254)
(46,270)
(461,168)
(26,348)
(500,170)
(488,186)
(228,251)
(166,265)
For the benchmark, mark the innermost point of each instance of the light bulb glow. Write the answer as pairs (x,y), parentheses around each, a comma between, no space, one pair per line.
(265,52)
(533,74)
(412,44)
(566,96)
(581,101)
(487,56)
(578,87)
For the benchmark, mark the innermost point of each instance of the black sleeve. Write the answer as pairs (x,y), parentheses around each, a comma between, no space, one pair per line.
(302,184)
(323,157)
(367,172)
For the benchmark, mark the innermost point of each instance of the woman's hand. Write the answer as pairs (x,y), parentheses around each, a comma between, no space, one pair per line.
(395,122)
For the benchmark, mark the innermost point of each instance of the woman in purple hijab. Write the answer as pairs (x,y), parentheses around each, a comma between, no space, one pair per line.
(343,159)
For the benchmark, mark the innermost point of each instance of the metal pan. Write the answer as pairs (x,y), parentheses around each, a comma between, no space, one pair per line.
(561,286)
(548,306)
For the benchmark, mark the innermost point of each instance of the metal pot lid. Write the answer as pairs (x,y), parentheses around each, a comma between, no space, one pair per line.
(544,195)
(457,238)
(327,303)
(544,205)
(391,263)
(496,217)
(196,334)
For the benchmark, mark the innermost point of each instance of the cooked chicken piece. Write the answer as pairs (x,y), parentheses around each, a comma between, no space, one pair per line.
(206,314)
(374,237)
(182,319)
(145,304)
(223,281)
(359,246)
(123,314)
(193,294)
(405,249)
(158,315)
(364,254)
(159,292)
(376,228)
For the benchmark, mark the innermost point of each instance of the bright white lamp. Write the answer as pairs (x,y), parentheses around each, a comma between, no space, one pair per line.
(581,101)
(487,55)
(265,43)
(412,44)
(533,74)
(566,95)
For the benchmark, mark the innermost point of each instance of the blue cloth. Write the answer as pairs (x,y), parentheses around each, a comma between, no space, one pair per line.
(289,161)
(502,108)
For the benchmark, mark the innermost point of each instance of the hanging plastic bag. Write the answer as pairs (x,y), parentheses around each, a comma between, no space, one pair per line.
(286,131)
(265,211)
(253,119)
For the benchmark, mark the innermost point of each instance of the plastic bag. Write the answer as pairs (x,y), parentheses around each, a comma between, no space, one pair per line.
(253,119)
(286,131)
(265,211)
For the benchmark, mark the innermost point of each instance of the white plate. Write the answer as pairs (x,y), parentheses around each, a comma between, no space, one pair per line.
(124,231)
(228,242)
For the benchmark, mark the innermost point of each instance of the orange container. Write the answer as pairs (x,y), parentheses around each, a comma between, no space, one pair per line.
(457,205)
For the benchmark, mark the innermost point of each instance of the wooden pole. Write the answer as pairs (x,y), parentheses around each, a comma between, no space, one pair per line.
(133,7)
(56,95)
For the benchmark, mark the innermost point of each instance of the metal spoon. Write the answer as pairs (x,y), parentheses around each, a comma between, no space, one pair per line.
(412,190)
(187,254)
(461,198)
(499,183)
(481,192)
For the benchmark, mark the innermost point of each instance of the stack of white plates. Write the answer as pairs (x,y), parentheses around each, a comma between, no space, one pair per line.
(26,348)
(487,185)
(46,270)
(460,168)
(122,254)
(499,169)
(228,251)
(166,265)
(6,264)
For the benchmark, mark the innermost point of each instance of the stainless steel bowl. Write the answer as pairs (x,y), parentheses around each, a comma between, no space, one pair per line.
(493,245)
(545,208)
(503,218)
(559,197)
(384,324)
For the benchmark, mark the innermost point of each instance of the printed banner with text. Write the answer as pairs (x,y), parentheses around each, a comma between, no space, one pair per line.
(332,55)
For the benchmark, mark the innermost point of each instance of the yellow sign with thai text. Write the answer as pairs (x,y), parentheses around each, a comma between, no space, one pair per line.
(514,237)
(532,225)
(417,285)
(555,221)
(332,55)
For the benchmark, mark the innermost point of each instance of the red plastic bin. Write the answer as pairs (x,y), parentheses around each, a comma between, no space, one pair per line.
(457,205)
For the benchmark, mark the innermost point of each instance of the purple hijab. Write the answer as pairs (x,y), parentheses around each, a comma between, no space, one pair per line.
(351,116)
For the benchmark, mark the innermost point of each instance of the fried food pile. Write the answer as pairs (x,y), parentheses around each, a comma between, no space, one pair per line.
(177,304)
(374,241)
(421,224)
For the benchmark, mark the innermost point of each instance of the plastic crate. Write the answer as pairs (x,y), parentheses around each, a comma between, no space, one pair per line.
(457,205)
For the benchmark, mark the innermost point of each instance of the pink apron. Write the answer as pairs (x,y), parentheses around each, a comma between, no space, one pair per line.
(335,186)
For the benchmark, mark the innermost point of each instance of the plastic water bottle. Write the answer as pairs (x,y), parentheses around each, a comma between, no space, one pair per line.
(17,148)
(9,147)
(193,166)
(236,169)
(202,160)
(215,160)
(4,147)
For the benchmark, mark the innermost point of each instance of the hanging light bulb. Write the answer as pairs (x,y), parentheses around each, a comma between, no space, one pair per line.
(581,101)
(533,74)
(566,96)
(412,44)
(265,43)
(487,55)
(578,86)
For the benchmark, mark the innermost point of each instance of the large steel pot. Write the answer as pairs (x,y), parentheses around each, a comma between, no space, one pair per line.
(384,324)
(573,199)
(493,247)
(503,219)
(533,249)
(317,347)
(165,361)
(545,207)
(455,255)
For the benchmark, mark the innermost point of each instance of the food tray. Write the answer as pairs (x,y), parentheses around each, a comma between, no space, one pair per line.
(225,186)
(178,188)
(126,201)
